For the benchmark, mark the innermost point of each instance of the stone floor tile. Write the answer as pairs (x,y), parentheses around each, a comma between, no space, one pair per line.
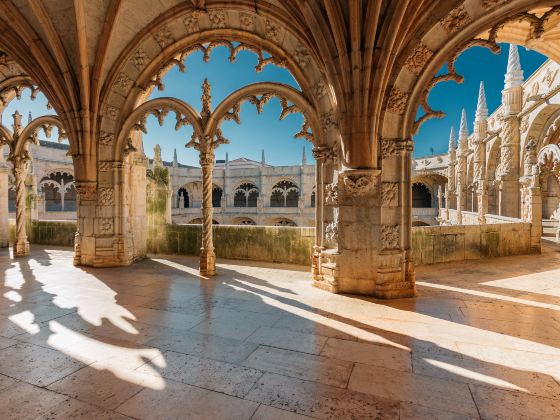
(74,409)
(395,385)
(24,401)
(410,411)
(37,365)
(99,386)
(369,354)
(475,371)
(500,404)
(318,400)
(6,381)
(301,365)
(202,345)
(265,412)
(228,328)
(290,340)
(180,401)
(206,373)
(6,342)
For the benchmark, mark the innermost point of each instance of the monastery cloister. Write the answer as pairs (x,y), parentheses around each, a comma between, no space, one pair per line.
(359,283)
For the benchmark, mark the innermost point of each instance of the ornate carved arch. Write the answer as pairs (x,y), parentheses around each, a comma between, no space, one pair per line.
(31,132)
(160,108)
(259,94)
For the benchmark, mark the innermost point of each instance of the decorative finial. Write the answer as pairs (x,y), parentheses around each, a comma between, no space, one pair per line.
(514,75)
(481,107)
(452,143)
(303,157)
(463,130)
(17,122)
(206,98)
(263,160)
(175,160)
(29,118)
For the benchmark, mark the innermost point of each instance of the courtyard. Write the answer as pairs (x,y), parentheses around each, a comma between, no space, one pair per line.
(156,340)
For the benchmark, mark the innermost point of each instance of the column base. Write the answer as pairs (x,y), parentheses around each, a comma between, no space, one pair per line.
(21,248)
(207,264)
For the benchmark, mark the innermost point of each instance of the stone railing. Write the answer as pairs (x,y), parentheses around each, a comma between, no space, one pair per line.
(437,244)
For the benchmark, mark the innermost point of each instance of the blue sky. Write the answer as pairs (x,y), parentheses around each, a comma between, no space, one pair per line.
(475,64)
(265,131)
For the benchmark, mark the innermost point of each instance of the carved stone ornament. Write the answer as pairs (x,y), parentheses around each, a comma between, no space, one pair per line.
(86,190)
(302,56)
(390,194)
(123,82)
(390,236)
(247,21)
(106,196)
(524,125)
(163,37)
(106,139)
(111,112)
(456,19)
(191,23)
(397,101)
(139,59)
(272,31)
(358,183)
(388,148)
(331,232)
(323,153)
(106,225)
(217,18)
(331,194)
(328,120)
(418,58)
(549,77)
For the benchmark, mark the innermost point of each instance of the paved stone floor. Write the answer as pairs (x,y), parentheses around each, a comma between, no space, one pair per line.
(154,340)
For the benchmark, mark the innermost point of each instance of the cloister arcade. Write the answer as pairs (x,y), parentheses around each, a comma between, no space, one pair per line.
(349,163)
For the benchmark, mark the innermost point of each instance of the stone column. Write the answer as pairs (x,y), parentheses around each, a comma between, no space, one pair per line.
(450,191)
(84,239)
(462,152)
(207,255)
(508,169)
(4,230)
(21,245)
(439,197)
(479,158)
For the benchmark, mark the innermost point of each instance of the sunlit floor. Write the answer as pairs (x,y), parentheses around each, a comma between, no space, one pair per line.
(154,340)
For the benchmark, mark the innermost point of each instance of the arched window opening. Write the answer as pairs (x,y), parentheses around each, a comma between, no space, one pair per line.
(551,198)
(246,195)
(217,193)
(58,192)
(284,222)
(284,194)
(182,199)
(421,196)
(244,221)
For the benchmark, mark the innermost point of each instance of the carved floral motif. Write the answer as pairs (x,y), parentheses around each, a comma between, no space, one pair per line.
(139,59)
(359,185)
(397,101)
(191,23)
(328,120)
(302,56)
(86,190)
(163,37)
(418,58)
(106,139)
(105,197)
(388,148)
(272,31)
(390,194)
(456,19)
(390,236)
(123,82)
(106,225)
(247,21)
(217,18)
(319,89)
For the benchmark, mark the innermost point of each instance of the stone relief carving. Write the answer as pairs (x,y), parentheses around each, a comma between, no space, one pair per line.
(331,232)
(217,18)
(272,31)
(331,194)
(390,236)
(418,58)
(105,197)
(397,101)
(123,82)
(247,21)
(456,19)
(319,89)
(192,23)
(524,125)
(302,56)
(111,112)
(106,225)
(489,4)
(549,77)
(163,37)
(390,194)
(106,139)
(388,148)
(139,59)
(328,120)
(86,191)
(357,185)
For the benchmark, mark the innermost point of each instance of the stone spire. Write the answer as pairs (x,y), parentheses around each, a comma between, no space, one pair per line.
(227,160)
(263,160)
(463,129)
(303,157)
(514,74)
(29,118)
(175,160)
(481,107)
(17,122)
(452,142)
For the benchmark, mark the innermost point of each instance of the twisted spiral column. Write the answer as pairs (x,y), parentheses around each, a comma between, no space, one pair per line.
(207,255)
(21,245)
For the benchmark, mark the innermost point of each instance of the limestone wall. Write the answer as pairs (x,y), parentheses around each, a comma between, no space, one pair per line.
(437,244)
(294,245)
